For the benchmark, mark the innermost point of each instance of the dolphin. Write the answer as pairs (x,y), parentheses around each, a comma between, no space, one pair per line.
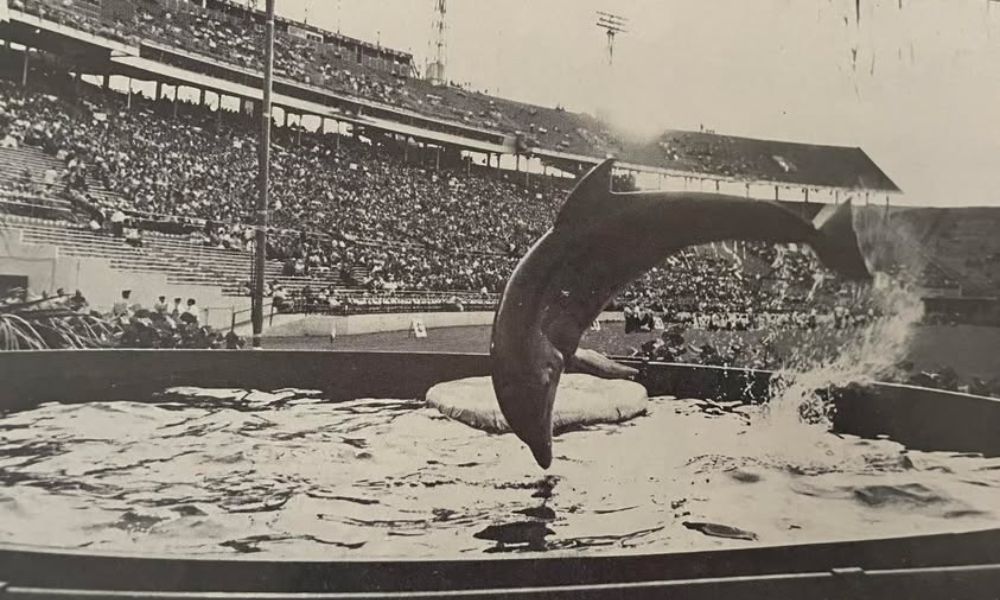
(601,241)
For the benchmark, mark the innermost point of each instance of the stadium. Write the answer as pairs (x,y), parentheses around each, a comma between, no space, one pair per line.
(199,194)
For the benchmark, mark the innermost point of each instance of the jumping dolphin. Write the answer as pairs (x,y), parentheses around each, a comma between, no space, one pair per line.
(600,242)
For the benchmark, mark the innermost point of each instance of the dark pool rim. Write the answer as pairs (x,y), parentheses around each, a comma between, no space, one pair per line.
(962,562)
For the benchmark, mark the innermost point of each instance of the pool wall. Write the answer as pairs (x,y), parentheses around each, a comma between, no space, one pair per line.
(322,325)
(921,418)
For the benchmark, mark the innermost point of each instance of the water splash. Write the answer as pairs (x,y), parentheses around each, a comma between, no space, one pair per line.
(870,352)
(799,413)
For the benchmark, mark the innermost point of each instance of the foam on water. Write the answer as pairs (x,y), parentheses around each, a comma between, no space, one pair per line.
(287,474)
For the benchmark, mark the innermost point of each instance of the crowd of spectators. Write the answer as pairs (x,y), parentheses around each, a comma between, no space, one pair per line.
(165,324)
(736,286)
(332,301)
(376,216)
(672,346)
(236,39)
(359,208)
(58,318)
(77,15)
(233,38)
(341,204)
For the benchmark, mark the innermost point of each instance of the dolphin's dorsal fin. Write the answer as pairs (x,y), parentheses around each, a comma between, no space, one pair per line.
(590,199)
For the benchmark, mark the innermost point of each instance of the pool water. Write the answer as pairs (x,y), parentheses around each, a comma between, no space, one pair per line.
(287,474)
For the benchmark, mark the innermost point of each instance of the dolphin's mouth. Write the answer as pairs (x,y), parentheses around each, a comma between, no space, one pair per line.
(600,242)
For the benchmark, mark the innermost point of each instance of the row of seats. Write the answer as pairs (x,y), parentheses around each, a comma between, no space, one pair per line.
(182,261)
(230,268)
(74,241)
(18,161)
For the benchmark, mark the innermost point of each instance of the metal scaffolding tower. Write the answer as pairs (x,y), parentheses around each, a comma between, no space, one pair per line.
(437,59)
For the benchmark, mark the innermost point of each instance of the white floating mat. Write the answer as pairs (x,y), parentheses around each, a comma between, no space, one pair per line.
(580,400)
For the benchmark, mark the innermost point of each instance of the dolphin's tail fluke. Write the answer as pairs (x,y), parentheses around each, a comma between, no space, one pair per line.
(837,243)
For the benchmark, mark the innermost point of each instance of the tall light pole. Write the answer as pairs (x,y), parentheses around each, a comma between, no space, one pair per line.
(263,176)
(612,24)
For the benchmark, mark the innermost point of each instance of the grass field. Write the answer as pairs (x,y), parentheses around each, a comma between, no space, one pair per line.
(972,351)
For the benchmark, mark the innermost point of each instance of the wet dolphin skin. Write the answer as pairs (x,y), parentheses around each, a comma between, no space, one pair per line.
(600,242)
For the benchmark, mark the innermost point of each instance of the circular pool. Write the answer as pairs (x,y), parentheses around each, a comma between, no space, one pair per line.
(121,475)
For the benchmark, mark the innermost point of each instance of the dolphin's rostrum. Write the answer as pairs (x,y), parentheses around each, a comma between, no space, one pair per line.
(600,242)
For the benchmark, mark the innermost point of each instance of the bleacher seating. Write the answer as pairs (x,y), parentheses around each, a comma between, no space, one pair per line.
(229,268)
(33,205)
(15,163)
(182,261)
(75,241)
(22,176)
(961,245)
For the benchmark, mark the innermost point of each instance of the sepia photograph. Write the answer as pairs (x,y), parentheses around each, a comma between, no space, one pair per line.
(427,299)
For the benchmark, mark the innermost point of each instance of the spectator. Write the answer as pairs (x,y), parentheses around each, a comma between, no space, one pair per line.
(133,237)
(122,309)
(178,310)
(190,314)
(118,223)
(279,299)
(233,341)
(78,303)
(161,307)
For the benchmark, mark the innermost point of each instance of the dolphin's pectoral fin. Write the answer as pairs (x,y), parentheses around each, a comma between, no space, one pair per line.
(594,363)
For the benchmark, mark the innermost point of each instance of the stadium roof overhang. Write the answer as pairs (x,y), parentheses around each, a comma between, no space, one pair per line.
(570,162)
(81,47)
(309,99)
(144,68)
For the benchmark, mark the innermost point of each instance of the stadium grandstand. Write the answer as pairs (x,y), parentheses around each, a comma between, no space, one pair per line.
(389,193)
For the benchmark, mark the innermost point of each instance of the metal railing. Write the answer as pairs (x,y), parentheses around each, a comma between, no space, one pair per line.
(236,316)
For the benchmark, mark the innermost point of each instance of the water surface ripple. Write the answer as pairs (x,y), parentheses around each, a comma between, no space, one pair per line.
(285,473)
